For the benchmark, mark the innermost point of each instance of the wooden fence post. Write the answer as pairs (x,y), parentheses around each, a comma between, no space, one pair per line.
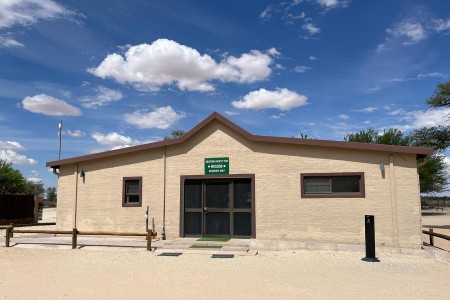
(431,237)
(74,238)
(8,236)
(12,233)
(149,240)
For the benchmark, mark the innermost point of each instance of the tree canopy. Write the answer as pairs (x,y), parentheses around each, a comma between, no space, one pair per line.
(176,133)
(432,175)
(441,96)
(11,180)
(51,194)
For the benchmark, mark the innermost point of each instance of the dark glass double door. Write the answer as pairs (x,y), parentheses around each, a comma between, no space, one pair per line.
(214,207)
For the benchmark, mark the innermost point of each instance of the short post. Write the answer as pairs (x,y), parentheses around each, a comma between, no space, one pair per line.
(12,233)
(8,235)
(149,240)
(74,238)
(431,237)
(369,222)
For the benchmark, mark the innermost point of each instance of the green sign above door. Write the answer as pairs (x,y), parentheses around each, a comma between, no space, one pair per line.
(217,166)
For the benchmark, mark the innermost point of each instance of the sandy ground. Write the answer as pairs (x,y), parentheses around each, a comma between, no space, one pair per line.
(75,274)
(440,222)
(30,273)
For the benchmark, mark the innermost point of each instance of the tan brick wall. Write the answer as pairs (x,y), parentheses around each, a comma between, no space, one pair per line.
(281,213)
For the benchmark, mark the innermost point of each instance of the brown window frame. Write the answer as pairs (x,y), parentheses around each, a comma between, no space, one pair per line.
(360,194)
(134,204)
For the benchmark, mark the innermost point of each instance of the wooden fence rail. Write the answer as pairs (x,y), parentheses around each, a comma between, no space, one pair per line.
(10,231)
(434,234)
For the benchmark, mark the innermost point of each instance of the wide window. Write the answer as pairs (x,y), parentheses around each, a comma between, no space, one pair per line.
(342,185)
(132,191)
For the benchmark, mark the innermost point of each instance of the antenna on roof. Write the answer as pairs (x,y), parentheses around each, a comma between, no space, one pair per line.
(60,135)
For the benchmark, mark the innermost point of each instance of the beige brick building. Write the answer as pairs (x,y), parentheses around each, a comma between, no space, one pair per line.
(219,179)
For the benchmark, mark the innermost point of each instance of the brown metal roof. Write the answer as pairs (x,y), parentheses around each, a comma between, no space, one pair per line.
(419,151)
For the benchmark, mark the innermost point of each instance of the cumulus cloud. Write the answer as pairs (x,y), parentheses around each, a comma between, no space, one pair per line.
(114,139)
(412,32)
(9,42)
(74,133)
(161,118)
(311,28)
(328,3)
(28,12)
(10,145)
(34,177)
(343,116)
(282,99)
(420,118)
(166,62)
(50,106)
(16,158)
(103,97)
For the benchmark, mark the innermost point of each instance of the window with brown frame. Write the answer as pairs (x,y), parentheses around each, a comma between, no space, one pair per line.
(332,185)
(132,192)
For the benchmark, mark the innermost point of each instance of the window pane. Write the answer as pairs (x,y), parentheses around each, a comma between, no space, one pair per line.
(132,187)
(242,224)
(217,224)
(132,199)
(193,223)
(193,194)
(317,185)
(243,193)
(217,194)
(345,184)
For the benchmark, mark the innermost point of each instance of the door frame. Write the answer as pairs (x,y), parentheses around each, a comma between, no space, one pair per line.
(214,177)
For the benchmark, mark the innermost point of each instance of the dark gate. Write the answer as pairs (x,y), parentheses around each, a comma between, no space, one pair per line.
(17,209)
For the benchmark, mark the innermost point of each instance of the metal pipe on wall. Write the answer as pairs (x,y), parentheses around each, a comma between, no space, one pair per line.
(163,231)
(76,198)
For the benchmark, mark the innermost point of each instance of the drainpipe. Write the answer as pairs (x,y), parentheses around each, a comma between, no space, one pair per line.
(393,201)
(76,199)
(163,232)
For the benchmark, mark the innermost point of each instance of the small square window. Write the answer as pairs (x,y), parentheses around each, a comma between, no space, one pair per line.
(132,191)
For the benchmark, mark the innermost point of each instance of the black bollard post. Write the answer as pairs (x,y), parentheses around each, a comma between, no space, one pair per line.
(369,222)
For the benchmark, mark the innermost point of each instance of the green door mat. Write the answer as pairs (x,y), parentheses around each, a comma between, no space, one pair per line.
(214,239)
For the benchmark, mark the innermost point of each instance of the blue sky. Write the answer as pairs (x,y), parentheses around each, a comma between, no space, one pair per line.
(121,73)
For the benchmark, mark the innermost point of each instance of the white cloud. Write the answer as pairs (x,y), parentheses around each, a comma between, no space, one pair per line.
(369,109)
(28,12)
(312,58)
(16,158)
(231,113)
(34,177)
(373,89)
(75,133)
(441,24)
(48,105)
(165,62)
(161,118)
(328,3)
(8,42)
(420,76)
(343,116)
(274,52)
(431,117)
(10,145)
(282,99)
(413,32)
(103,97)
(277,116)
(311,28)
(266,13)
(114,139)
(301,69)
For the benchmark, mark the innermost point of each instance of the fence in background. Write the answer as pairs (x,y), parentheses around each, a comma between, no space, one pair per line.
(17,209)
(75,233)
